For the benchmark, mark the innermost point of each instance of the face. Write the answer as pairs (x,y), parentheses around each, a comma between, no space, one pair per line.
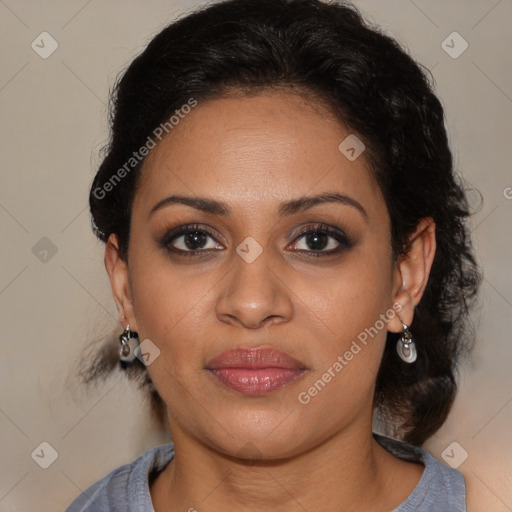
(262,266)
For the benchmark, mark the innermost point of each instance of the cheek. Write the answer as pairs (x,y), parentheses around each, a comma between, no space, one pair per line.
(174,304)
(163,296)
(335,310)
(349,297)
(169,309)
(354,308)
(347,359)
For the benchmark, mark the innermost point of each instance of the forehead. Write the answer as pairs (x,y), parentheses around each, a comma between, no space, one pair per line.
(260,150)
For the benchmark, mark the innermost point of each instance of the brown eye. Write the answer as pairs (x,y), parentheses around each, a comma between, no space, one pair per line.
(194,241)
(317,241)
(322,240)
(190,240)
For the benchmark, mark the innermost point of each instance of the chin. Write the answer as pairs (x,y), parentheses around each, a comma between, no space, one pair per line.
(258,434)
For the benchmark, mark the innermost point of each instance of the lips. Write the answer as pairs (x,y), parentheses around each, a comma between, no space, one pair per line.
(255,371)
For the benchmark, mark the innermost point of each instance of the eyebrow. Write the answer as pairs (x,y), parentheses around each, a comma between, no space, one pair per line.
(286,208)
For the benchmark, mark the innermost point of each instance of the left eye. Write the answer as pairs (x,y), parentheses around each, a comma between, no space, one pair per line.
(322,241)
(317,241)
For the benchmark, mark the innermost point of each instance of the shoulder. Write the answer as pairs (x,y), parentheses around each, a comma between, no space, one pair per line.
(440,489)
(125,488)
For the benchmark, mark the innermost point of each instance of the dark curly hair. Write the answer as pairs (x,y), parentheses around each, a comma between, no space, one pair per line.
(373,87)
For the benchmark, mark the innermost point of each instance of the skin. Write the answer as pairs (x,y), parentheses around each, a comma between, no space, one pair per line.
(253,153)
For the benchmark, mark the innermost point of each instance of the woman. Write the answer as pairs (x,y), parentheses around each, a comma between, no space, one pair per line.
(286,245)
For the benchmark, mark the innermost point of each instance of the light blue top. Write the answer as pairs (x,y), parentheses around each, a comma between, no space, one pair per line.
(126,489)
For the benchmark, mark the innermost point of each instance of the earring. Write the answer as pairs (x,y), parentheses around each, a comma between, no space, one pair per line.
(127,348)
(406,347)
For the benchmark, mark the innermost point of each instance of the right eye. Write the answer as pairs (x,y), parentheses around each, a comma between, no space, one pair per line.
(190,240)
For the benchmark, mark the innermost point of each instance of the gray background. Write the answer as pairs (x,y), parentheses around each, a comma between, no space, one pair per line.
(52,124)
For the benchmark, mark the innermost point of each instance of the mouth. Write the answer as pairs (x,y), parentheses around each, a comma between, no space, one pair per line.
(255,372)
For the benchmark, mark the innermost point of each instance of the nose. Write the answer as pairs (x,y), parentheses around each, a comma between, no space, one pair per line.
(255,294)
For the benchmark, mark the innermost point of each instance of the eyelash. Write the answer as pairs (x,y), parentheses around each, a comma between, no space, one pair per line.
(341,237)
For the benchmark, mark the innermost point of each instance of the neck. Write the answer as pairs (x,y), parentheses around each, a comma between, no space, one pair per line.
(348,468)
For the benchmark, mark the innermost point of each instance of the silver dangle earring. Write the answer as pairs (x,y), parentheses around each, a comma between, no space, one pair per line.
(406,347)
(128,340)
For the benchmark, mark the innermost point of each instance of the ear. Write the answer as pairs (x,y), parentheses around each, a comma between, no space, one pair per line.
(117,270)
(411,274)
